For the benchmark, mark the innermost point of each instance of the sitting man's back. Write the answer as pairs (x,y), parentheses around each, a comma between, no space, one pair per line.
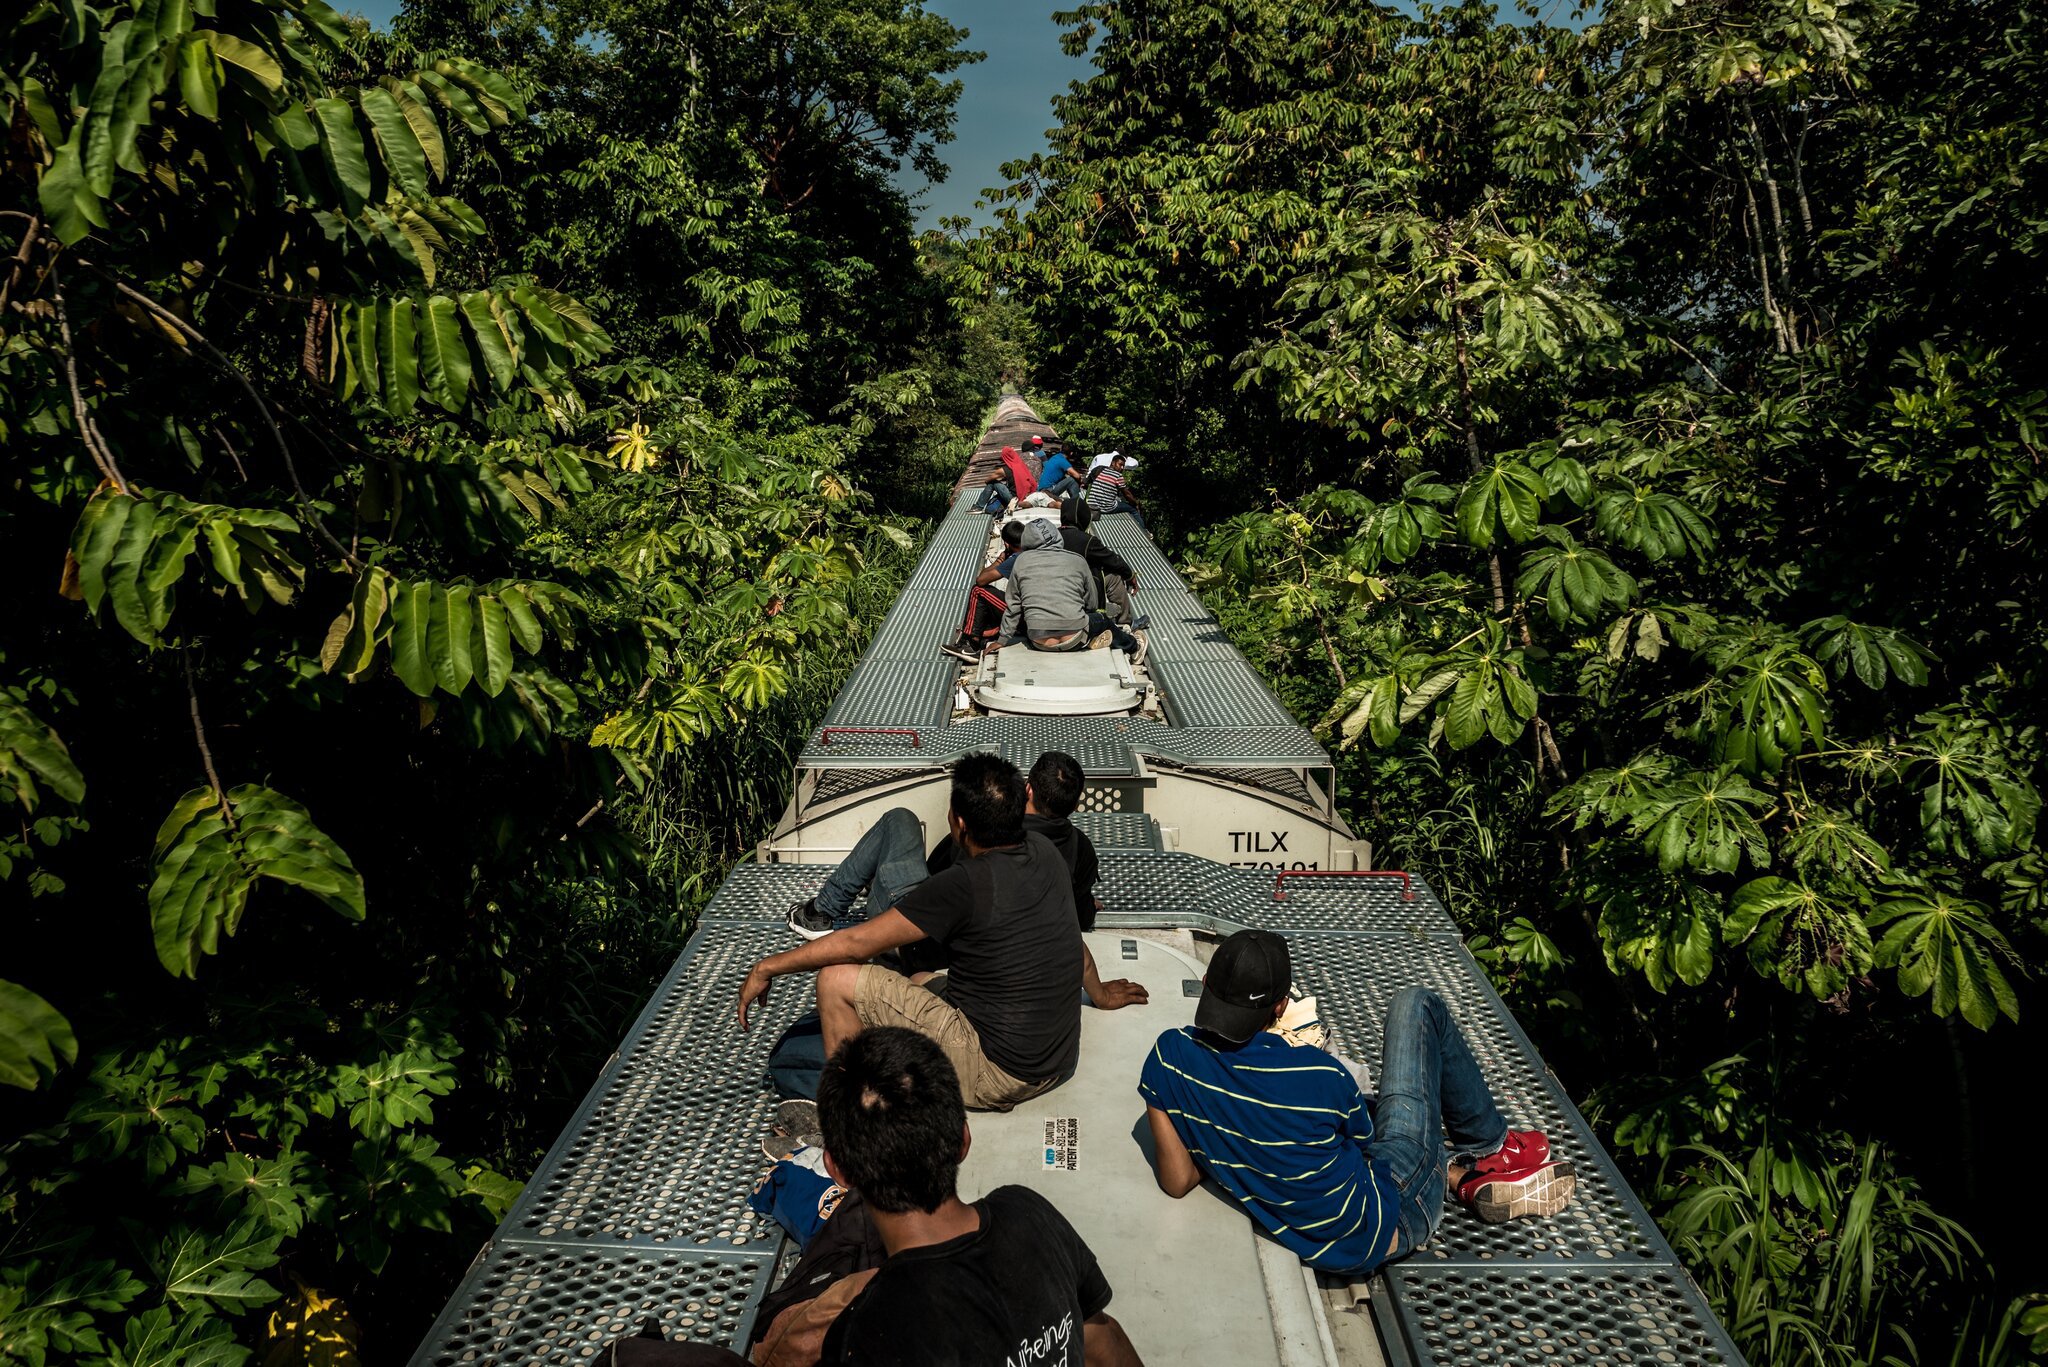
(963,1285)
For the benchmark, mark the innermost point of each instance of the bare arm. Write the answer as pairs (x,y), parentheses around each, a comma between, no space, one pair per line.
(853,945)
(1111,995)
(1172,1164)
(1105,1344)
(989,575)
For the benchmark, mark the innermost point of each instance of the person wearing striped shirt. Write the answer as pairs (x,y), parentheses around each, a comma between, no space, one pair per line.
(1109,491)
(1344,1181)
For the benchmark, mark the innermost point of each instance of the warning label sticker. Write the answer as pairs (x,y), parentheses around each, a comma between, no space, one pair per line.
(1063,1143)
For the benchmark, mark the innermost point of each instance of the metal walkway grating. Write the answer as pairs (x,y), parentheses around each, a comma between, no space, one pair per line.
(1513,1316)
(1117,830)
(1223,692)
(523,1305)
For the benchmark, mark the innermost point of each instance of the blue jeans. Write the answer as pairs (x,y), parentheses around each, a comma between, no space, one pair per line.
(995,498)
(1123,505)
(1430,1086)
(888,859)
(1066,486)
(1119,639)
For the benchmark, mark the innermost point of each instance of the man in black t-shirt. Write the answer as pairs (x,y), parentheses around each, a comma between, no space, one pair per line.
(963,1285)
(1010,1020)
(1050,797)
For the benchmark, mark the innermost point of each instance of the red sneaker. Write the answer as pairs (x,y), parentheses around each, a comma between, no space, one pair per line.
(1523,1149)
(1545,1189)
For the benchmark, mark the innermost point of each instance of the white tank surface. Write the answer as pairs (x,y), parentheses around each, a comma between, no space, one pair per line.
(1072,683)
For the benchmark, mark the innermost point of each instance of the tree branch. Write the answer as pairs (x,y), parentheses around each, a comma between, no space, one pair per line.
(220,794)
(284,451)
(95,445)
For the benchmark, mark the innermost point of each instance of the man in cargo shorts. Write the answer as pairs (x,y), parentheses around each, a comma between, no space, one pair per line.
(1010,1019)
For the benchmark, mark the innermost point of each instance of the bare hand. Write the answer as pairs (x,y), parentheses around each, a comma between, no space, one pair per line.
(754,989)
(1119,992)
(992,647)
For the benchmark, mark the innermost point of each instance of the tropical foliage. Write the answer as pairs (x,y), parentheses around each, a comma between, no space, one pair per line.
(439,494)
(1642,429)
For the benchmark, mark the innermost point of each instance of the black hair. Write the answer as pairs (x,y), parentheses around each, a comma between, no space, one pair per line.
(889,1105)
(988,797)
(1056,783)
(1013,532)
(1075,512)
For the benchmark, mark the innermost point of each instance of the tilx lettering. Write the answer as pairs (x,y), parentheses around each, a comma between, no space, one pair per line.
(1258,842)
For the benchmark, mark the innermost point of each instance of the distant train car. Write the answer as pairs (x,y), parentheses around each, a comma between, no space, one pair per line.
(1211,810)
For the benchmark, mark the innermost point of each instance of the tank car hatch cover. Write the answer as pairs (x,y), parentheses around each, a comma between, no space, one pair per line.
(1058,683)
(1185,1274)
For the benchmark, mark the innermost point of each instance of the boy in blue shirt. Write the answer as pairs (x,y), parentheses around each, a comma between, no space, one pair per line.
(1284,1128)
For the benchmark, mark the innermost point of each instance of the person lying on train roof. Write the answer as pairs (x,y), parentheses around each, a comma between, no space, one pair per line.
(1345,1182)
(1052,790)
(962,1283)
(1010,1019)
(1055,603)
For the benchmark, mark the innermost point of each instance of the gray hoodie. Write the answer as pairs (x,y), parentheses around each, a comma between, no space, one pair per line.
(1051,588)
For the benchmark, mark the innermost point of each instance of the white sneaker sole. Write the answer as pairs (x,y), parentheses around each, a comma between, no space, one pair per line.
(1545,1193)
(808,934)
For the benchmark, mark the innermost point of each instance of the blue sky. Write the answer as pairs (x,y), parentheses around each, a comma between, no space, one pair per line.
(1005,103)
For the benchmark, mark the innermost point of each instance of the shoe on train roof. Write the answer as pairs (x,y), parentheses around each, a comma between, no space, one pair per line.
(806,920)
(1523,1149)
(1515,1194)
(963,651)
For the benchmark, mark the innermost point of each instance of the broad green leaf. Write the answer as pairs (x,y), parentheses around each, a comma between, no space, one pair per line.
(342,145)
(198,80)
(519,617)
(31,750)
(426,130)
(206,866)
(220,1268)
(412,613)
(1506,498)
(444,355)
(448,645)
(1947,946)
(35,1039)
(494,342)
(159,1338)
(404,158)
(67,201)
(398,355)
(259,65)
(492,648)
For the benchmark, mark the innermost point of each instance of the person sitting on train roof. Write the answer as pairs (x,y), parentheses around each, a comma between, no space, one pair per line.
(986,603)
(1034,456)
(1060,479)
(1112,572)
(1054,600)
(1110,492)
(962,1283)
(1010,1019)
(1052,790)
(1282,1126)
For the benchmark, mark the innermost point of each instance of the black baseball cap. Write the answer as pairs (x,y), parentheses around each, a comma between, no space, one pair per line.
(1246,980)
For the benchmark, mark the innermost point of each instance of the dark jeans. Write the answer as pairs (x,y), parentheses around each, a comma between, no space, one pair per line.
(1065,487)
(1123,505)
(888,860)
(995,498)
(1430,1086)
